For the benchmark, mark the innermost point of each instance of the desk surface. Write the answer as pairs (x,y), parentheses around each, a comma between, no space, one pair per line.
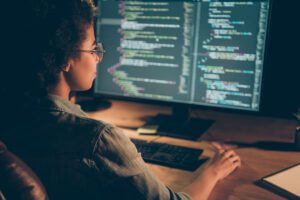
(257,161)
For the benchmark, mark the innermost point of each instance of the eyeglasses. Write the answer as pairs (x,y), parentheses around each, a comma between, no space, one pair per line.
(98,51)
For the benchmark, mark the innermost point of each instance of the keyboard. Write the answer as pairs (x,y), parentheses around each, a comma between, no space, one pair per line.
(169,155)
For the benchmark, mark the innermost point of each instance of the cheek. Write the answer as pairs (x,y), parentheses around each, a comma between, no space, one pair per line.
(85,79)
(82,76)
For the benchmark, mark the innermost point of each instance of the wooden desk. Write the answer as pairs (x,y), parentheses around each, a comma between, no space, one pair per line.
(256,162)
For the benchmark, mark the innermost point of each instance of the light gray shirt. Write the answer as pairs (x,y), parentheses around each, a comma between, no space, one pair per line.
(116,163)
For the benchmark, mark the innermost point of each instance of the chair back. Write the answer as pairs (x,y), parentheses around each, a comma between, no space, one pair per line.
(17,180)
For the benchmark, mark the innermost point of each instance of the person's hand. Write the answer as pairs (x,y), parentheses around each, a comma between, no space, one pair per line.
(223,163)
(220,146)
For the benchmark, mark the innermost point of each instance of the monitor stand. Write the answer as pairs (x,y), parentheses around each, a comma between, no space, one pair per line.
(179,124)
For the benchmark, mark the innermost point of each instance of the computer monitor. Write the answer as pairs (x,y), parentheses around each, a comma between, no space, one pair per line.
(185,53)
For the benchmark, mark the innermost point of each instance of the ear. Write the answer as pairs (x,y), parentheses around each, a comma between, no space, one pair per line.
(67,67)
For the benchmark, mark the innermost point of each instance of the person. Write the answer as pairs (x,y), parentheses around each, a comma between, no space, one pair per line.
(56,53)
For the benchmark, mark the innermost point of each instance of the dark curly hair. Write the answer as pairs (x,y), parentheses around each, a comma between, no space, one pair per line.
(43,35)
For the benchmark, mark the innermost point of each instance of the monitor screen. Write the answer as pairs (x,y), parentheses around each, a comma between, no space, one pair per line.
(204,52)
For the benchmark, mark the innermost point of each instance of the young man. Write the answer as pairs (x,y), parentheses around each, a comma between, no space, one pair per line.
(76,157)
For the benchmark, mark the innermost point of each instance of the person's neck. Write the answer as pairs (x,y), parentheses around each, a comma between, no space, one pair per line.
(60,90)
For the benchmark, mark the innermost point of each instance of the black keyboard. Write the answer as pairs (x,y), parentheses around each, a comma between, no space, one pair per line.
(169,155)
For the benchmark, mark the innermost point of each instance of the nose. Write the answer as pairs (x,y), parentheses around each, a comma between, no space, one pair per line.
(99,57)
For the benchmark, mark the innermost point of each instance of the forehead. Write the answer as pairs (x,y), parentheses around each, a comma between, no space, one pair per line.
(90,31)
(90,36)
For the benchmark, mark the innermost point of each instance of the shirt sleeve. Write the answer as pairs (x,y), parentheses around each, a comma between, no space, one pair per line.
(123,170)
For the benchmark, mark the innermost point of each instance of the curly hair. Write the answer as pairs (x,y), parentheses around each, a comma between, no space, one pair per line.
(48,32)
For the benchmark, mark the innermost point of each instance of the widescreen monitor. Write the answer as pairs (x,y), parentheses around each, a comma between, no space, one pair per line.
(204,53)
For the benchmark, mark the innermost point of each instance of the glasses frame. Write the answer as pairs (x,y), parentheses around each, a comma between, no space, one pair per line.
(98,51)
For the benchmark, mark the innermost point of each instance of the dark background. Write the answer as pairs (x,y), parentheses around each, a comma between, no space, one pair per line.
(282,83)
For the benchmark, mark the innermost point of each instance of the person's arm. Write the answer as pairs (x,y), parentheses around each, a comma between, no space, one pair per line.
(122,165)
(218,168)
(122,171)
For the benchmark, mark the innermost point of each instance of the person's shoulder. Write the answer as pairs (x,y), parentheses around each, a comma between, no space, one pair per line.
(100,129)
(72,120)
(116,153)
(76,128)
(90,128)
(111,134)
(86,123)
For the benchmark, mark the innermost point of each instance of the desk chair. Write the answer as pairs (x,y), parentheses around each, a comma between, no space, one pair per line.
(17,180)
